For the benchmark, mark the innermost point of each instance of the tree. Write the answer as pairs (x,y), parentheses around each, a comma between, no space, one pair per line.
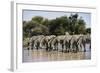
(82,28)
(88,30)
(37,19)
(27,27)
(32,28)
(64,21)
(73,22)
(45,22)
(58,26)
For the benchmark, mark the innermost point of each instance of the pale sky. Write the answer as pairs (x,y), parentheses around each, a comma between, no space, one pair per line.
(28,14)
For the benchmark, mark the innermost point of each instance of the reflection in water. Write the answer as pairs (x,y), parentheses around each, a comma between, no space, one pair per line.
(42,55)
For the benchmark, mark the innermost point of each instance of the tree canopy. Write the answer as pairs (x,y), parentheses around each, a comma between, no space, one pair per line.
(59,26)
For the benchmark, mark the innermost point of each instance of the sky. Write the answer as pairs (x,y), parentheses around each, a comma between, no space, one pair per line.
(28,14)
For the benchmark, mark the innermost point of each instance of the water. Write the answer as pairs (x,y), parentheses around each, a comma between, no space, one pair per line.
(42,55)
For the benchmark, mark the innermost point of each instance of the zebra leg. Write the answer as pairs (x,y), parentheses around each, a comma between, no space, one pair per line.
(84,47)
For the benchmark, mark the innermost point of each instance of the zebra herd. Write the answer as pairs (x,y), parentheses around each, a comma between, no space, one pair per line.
(64,43)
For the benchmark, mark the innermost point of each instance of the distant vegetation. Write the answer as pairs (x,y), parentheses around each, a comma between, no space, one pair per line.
(42,26)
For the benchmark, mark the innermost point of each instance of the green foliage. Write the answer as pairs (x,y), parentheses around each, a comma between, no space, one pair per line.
(38,19)
(80,27)
(88,30)
(59,26)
